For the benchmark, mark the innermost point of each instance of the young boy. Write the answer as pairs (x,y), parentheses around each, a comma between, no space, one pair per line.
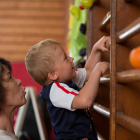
(67,102)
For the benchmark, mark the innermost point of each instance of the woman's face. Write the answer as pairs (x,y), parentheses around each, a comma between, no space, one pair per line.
(14,92)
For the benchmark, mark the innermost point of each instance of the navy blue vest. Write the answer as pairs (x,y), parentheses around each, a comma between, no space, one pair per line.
(69,125)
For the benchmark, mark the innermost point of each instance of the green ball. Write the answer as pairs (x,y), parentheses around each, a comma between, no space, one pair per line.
(86,3)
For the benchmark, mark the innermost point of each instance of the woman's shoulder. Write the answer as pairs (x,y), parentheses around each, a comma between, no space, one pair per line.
(4,135)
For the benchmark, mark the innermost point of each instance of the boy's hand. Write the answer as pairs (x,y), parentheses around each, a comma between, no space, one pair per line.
(102,66)
(100,45)
(82,100)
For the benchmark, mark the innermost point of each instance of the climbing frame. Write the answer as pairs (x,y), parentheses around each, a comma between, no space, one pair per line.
(116,110)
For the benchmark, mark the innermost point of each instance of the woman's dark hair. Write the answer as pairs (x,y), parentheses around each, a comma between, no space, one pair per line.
(8,65)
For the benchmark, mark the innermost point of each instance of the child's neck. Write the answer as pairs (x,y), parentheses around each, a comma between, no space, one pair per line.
(61,81)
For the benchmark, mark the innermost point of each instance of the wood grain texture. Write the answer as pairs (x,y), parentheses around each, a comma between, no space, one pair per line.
(95,16)
(123,83)
(127,96)
(128,122)
(112,133)
(26,22)
(105,21)
(31,4)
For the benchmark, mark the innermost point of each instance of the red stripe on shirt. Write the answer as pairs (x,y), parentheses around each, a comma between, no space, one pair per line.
(65,90)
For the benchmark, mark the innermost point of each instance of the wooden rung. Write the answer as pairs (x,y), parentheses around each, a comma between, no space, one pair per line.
(128,122)
(105,79)
(105,21)
(100,137)
(101,109)
(128,76)
(131,30)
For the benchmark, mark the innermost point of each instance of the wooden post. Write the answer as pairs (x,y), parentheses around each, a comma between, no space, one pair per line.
(113,71)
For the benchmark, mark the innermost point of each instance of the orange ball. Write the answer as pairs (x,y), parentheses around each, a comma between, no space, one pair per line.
(134,57)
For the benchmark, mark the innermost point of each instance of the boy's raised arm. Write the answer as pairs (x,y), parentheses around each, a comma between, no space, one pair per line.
(95,55)
(88,93)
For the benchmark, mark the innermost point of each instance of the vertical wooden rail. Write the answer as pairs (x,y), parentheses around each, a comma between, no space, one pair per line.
(107,44)
(89,31)
(113,70)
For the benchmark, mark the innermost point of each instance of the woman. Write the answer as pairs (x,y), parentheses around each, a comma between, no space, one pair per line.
(12,95)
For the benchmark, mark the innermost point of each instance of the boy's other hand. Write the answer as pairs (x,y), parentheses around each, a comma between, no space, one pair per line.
(102,66)
(100,45)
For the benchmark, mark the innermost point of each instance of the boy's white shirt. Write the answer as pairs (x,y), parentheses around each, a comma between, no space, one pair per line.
(62,96)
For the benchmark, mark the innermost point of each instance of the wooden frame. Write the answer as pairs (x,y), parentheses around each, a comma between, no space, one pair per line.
(120,86)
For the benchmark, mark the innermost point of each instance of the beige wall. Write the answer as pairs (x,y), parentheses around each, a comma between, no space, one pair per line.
(24,23)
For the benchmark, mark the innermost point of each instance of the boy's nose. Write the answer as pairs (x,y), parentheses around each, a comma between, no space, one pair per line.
(72,59)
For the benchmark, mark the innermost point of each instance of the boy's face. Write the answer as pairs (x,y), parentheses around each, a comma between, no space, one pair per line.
(64,66)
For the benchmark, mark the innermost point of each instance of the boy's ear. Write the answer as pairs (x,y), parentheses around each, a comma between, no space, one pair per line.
(52,76)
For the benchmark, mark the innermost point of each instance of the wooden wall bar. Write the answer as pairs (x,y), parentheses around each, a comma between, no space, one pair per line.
(121,119)
(24,23)
(95,17)
(100,137)
(128,123)
(129,31)
(101,109)
(128,76)
(105,79)
(105,21)
(119,89)
(127,94)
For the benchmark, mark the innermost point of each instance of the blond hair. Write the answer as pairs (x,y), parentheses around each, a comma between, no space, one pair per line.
(39,60)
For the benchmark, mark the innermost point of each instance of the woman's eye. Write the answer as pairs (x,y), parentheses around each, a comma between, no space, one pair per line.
(65,57)
(10,77)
